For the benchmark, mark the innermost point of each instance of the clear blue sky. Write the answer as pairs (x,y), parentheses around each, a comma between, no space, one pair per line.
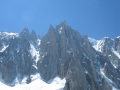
(95,18)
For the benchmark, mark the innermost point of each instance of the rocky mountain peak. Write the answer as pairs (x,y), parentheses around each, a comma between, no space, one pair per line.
(62,52)
(51,29)
(63,23)
(25,33)
(118,37)
(33,35)
(107,39)
(63,29)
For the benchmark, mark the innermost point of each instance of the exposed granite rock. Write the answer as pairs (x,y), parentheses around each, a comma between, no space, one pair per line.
(33,36)
(66,53)
(16,59)
(61,52)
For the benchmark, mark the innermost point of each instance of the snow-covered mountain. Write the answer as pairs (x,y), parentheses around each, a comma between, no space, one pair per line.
(60,60)
(109,47)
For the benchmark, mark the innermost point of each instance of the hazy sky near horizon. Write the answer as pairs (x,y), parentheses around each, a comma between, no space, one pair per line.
(95,18)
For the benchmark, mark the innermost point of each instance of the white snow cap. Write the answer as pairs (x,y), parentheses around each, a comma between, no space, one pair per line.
(94,43)
(118,37)
(9,33)
(4,48)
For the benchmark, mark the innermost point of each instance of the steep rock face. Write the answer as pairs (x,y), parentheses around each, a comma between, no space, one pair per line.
(48,64)
(57,47)
(66,53)
(61,52)
(16,60)
(107,47)
(110,48)
(33,36)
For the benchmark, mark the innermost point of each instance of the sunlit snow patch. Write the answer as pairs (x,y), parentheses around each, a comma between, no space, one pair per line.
(38,84)
(39,41)
(60,31)
(69,51)
(97,44)
(94,43)
(118,37)
(114,65)
(4,48)
(35,54)
(116,53)
(9,34)
(109,81)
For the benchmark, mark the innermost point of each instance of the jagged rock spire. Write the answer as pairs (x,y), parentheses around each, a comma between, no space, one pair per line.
(51,28)
(33,35)
(25,33)
(25,30)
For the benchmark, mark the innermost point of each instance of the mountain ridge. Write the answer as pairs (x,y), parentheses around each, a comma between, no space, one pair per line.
(62,52)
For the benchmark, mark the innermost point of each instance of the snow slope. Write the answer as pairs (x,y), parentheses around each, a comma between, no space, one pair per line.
(4,47)
(94,43)
(8,35)
(116,53)
(35,54)
(38,84)
(109,81)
